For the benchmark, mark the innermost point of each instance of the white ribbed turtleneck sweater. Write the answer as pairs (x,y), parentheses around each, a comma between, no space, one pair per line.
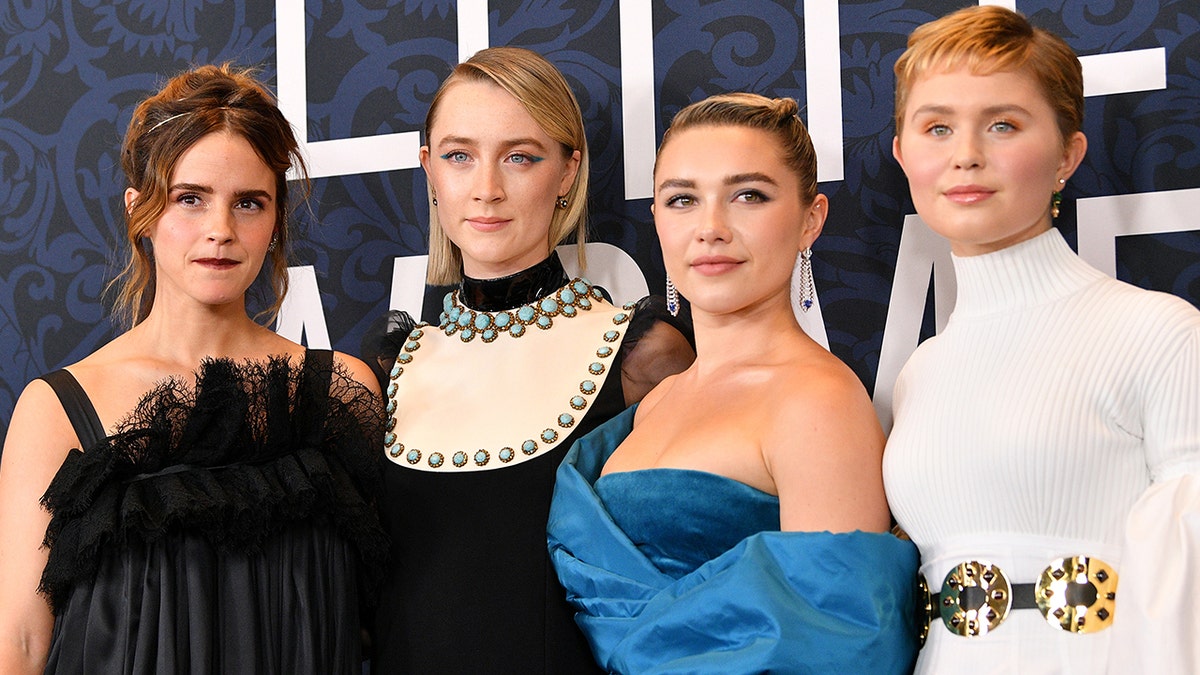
(1027,430)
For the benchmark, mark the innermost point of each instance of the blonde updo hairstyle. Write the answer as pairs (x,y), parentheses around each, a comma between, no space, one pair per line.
(544,93)
(192,105)
(776,116)
(988,39)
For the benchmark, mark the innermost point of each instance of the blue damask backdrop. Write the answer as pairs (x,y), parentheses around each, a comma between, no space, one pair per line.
(71,72)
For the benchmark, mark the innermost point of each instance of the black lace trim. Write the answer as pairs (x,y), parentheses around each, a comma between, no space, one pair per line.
(251,446)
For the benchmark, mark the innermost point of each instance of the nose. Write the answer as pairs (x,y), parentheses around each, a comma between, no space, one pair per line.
(713,225)
(968,151)
(221,228)
(489,184)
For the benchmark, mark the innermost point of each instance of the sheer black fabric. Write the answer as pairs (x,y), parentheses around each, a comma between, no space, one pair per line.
(226,527)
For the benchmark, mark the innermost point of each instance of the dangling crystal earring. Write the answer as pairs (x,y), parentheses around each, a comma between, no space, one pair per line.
(562,202)
(274,243)
(807,288)
(672,297)
(1056,199)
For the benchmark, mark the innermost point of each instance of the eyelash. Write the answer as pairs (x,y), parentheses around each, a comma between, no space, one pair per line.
(460,157)
(756,197)
(192,199)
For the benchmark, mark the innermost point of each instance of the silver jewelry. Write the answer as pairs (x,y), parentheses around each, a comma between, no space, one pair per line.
(807,288)
(562,202)
(672,297)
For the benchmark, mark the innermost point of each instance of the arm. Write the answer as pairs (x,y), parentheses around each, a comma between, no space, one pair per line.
(1158,595)
(358,371)
(661,352)
(825,455)
(38,440)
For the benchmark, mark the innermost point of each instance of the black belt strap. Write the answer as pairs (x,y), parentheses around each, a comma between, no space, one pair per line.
(1022,598)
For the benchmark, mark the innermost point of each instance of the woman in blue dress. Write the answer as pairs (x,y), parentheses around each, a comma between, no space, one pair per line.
(735,520)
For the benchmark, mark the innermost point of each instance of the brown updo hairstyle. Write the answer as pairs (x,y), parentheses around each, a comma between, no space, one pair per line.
(988,39)
(776,116)
(205,100)
(544,93)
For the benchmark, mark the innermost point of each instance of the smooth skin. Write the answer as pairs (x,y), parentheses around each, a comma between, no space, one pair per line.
(209,245)
(763,403)
(983,154)
(497,177)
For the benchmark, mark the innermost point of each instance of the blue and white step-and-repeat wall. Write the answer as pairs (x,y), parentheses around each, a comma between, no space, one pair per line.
(356,76)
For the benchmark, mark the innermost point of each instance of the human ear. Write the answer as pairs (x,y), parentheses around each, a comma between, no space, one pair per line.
(1073,153)
(131,196)
(572,168)
(814,220)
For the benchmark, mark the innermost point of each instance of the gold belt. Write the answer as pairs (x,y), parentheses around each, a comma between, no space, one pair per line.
(1076,594)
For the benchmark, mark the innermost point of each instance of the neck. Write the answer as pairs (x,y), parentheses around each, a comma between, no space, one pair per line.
(756,335)
(514,290)
(187,336)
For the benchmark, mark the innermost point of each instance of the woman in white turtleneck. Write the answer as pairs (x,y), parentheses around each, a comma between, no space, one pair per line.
(1046,448)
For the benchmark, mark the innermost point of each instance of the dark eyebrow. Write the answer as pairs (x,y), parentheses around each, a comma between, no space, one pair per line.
(752,177)
(205,189)
(676,183)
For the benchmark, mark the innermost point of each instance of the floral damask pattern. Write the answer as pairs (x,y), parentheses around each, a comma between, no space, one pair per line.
(71,72)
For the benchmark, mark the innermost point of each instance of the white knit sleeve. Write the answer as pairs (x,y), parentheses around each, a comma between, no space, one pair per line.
(1156,628)
(1171,402)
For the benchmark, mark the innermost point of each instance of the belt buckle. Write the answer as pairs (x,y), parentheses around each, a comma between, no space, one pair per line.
(975,598)
(1077,594)
(924,610)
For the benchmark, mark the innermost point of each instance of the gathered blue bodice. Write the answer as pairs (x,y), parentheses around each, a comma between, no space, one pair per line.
(681,518)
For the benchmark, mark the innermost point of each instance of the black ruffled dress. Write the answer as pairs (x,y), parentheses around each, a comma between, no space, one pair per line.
(225,528)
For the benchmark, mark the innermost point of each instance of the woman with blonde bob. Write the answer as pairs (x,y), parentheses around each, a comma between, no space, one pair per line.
(196,496)
(1045,456)
(484,403)
(734,521)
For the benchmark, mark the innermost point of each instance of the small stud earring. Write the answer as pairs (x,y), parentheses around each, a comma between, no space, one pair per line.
(562,202)
(435,201)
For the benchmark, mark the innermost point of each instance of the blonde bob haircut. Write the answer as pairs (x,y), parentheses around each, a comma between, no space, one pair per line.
(206,100)
(779,117)
(988,39)
(541,88)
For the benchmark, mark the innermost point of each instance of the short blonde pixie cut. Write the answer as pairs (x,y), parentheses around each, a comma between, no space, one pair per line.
(541,88)
(988,39)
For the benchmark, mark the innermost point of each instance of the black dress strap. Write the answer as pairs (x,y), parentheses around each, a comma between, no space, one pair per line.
(78,407)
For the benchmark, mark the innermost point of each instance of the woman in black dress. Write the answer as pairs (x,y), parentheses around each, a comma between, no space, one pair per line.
(483,405)
(208,486)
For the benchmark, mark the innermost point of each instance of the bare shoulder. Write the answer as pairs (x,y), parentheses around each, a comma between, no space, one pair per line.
(39,427)
(822,388)
(358,371)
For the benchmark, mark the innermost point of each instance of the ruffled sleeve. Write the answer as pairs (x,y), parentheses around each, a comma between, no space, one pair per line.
(656,346)
(1157,625)
(383,341)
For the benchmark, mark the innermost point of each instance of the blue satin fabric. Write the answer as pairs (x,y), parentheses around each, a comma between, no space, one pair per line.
(795,602)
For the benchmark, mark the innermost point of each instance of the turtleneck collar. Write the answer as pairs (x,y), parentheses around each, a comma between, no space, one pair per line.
(514,290)
(1030,273)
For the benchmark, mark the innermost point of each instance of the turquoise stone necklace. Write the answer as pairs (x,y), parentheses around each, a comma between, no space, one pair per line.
(566,302)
